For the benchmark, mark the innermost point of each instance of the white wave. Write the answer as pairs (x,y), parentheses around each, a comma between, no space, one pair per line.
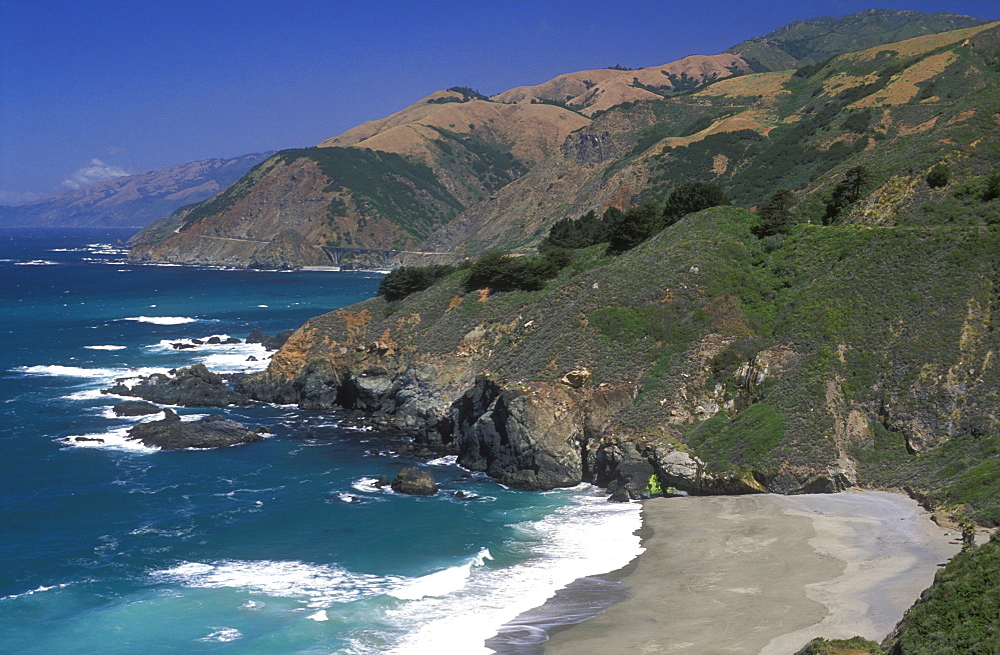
(588,536)
(319,616)
(38,590)
(109,413)
(440,583)
(58,370)
(94,394)
(37,262)
(369,485)
(114,439)
(316,585)
(107,347)
(447,460)
(67,249)
(162,320)
(222,634)
(221,357)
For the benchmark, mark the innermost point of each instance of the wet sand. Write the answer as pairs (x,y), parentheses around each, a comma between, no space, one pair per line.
(765,574)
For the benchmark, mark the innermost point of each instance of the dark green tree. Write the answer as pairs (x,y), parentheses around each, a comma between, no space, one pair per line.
(847,192)
(500,271)
(689,198)
(634,226)
(777,215)
(403,281)
(938,176)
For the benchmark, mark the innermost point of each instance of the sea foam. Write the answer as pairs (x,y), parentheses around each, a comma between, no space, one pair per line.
(318,586)
(162,320)
(441,583)
(588,536)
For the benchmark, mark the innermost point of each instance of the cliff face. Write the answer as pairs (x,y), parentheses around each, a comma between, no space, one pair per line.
(699,360)
(133,200)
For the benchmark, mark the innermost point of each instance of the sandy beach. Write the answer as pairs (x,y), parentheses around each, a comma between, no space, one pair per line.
(765,574)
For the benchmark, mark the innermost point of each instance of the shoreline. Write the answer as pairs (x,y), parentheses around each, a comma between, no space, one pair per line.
(747,574)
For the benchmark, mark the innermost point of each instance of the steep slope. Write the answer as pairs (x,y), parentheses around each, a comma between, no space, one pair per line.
(706,357)
(505,168)
(134,200)
(385,184)
(804,42)
(756,133)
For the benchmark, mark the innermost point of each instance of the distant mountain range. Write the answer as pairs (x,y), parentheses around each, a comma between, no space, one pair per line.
(461,173)
(133,200)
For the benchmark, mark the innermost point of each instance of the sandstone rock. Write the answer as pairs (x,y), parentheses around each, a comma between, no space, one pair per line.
(415,481)
(576,378)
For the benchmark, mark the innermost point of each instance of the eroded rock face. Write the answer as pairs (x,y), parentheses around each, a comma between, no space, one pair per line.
(415,482)
(189,387)
(529,439)
(170,433)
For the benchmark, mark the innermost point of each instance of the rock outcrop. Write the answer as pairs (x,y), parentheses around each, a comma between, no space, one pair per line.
(195,386)
(415,482)
(171,433)
(135,408)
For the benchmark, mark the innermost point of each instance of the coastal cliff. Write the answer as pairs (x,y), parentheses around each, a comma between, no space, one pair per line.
(705,360)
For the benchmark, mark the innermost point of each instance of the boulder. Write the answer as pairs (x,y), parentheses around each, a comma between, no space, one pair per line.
(135,408)
(576,378)
(269,342)
(190,387)
(415,482)
(171,433)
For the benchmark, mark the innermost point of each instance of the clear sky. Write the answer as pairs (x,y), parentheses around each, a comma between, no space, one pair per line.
(91,89)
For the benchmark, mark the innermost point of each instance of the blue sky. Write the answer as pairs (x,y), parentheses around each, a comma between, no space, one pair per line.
(98,88)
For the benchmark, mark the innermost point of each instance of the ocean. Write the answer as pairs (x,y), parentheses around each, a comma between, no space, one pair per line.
(284,546)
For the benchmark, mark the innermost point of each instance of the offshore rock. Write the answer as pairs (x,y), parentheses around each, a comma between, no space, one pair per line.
(189,387)
(135,408)
(171,433)
(269,342)
(415,482)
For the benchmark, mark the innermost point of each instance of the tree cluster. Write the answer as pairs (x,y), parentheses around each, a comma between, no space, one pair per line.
(401,282)
(499,271)
(625,230)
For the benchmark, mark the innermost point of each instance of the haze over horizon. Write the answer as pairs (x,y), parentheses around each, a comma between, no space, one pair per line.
(96,89)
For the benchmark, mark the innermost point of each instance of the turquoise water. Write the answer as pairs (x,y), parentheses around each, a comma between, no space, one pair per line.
(283,546)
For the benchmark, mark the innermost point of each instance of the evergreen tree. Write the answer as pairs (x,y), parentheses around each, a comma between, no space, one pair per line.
(847,192)
(777,214)
(689,198)
(634,226)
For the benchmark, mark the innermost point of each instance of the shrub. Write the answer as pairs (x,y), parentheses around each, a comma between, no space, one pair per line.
(401,282)
(939,176)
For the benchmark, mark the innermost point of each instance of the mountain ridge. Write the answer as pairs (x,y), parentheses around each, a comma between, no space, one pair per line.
(501,160)
(132,200)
